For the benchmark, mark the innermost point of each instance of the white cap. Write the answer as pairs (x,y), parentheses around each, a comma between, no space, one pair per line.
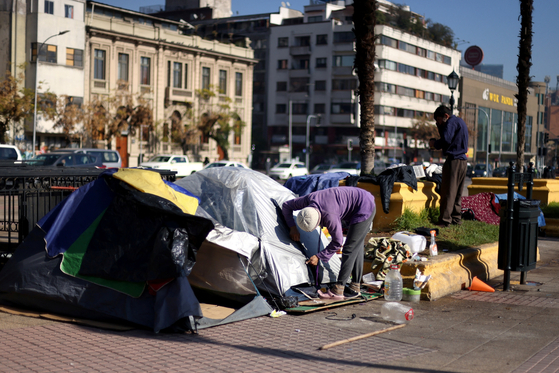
(308,219)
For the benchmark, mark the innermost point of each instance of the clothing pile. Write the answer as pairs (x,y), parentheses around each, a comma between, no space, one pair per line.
(385,252)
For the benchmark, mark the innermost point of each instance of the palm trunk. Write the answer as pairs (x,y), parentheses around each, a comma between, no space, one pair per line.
(364,21)
(523,78)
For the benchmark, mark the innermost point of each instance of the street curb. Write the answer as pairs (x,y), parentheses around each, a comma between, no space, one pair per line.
(451,272)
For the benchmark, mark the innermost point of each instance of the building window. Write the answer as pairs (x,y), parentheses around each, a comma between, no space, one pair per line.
(69,11)
(185,76)
(47,53)
(205,77)
(49,7)
(321,62)
(283,42)
(314,19)
(340,61)
(385,40)
(300,108)
(301,64)
(177,75)
(145,71)
(344,84)
(319,108)
(321,39)
(342,108)
(320,85)
(281,86)
(74,57)
(223,82)
(344,37)
(123,59)
(238,84)
(299,84)
(281,108)
(99,64)
(282,64)
(303,41)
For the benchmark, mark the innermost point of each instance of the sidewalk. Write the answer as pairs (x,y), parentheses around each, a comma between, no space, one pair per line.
(517,331)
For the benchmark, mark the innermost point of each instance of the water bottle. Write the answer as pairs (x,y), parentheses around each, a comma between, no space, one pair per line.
(393,284)
(396,312)
(433,249)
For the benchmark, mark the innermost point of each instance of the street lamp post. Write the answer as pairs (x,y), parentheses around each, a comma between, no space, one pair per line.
(307,142)
(452,80)
(37,86)
(290,130)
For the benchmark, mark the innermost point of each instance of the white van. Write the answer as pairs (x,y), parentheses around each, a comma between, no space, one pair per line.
(110,158)
(9,153)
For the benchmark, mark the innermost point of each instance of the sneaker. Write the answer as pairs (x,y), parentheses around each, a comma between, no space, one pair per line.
(335,296)
(350,294)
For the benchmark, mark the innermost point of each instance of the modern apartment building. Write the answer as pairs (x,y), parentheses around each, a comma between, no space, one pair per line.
(311,72)
(157,58)
(48,35)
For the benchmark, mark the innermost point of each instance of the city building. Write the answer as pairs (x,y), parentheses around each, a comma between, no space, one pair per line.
(158,59)
(311,75)
(49,36)
(489,107)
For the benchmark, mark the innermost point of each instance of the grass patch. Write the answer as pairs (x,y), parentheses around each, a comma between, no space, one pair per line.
(456,237)
(551,211)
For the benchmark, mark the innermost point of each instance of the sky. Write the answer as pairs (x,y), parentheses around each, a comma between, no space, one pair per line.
(492,25)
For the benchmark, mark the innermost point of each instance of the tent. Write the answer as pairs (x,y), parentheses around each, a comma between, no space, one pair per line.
(130,247)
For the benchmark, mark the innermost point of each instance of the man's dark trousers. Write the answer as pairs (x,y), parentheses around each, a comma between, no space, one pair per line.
(452,184)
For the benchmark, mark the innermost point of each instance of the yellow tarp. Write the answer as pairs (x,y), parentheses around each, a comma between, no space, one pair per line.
(151,182)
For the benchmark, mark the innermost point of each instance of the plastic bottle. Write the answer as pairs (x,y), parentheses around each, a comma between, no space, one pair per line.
(396,312)
(393,284)
(433,250)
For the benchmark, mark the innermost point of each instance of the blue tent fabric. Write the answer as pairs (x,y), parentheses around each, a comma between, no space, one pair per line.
(303,185)
(504,196)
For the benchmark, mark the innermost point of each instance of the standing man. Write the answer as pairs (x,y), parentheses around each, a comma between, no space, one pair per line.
(454,143)
(327,208)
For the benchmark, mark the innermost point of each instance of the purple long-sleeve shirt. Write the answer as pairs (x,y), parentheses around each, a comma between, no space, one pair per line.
(335,204)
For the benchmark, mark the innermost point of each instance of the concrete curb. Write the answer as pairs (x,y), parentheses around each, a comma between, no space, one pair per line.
(451,272)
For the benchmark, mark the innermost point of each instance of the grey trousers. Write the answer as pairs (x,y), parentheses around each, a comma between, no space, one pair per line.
(353,253)
(452,184)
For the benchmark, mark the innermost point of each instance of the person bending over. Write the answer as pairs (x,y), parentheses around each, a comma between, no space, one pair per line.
(327,208)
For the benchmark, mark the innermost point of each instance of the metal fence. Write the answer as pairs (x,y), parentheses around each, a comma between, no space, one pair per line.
(28,193)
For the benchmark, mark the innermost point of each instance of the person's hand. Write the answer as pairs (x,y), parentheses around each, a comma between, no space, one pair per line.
(313,260)
(294,234)
(432,143)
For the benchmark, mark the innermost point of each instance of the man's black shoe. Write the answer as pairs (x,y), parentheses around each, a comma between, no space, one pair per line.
(350,294)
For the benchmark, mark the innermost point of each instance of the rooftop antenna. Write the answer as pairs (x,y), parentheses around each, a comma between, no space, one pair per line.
(283,4)
(288,5)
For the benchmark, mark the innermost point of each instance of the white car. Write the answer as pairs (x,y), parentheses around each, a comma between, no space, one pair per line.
(353,168)
(285,170)
(178,163)
(225,164)
(9,153)
(110,158)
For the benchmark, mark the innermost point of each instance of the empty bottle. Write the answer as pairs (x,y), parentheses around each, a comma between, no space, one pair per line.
(396,312)
(433,249)
(393,284)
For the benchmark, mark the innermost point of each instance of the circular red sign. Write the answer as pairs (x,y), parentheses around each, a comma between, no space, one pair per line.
(473,55)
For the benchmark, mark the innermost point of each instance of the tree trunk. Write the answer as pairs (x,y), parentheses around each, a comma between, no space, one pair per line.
(523,78)
(364,21)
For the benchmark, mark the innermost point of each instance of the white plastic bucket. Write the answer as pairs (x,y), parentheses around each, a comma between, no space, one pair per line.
(416,242)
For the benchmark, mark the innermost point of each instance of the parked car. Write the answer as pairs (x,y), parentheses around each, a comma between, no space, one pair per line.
(110,158)
(178,163)
(500,172)
(285,170)
(9,153)
(225,164)
(480,170)
(321,168)
(64,159)
(353,168)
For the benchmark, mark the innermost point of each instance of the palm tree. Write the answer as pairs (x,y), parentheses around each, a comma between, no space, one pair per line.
(364,21)
(523,78)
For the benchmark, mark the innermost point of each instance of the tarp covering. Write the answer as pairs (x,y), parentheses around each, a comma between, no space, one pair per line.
(117,238)
(303,185)
(240,202)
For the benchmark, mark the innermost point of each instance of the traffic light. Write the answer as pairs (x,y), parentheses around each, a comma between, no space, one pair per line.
(545,138)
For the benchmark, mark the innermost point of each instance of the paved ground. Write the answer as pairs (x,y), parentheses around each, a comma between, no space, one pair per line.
(515,331)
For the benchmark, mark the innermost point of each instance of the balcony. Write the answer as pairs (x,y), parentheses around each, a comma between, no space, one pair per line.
(177,94)
(343,94)
(299,73)
(299,50)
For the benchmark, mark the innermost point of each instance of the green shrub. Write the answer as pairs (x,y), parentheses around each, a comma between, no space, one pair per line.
(551,211)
